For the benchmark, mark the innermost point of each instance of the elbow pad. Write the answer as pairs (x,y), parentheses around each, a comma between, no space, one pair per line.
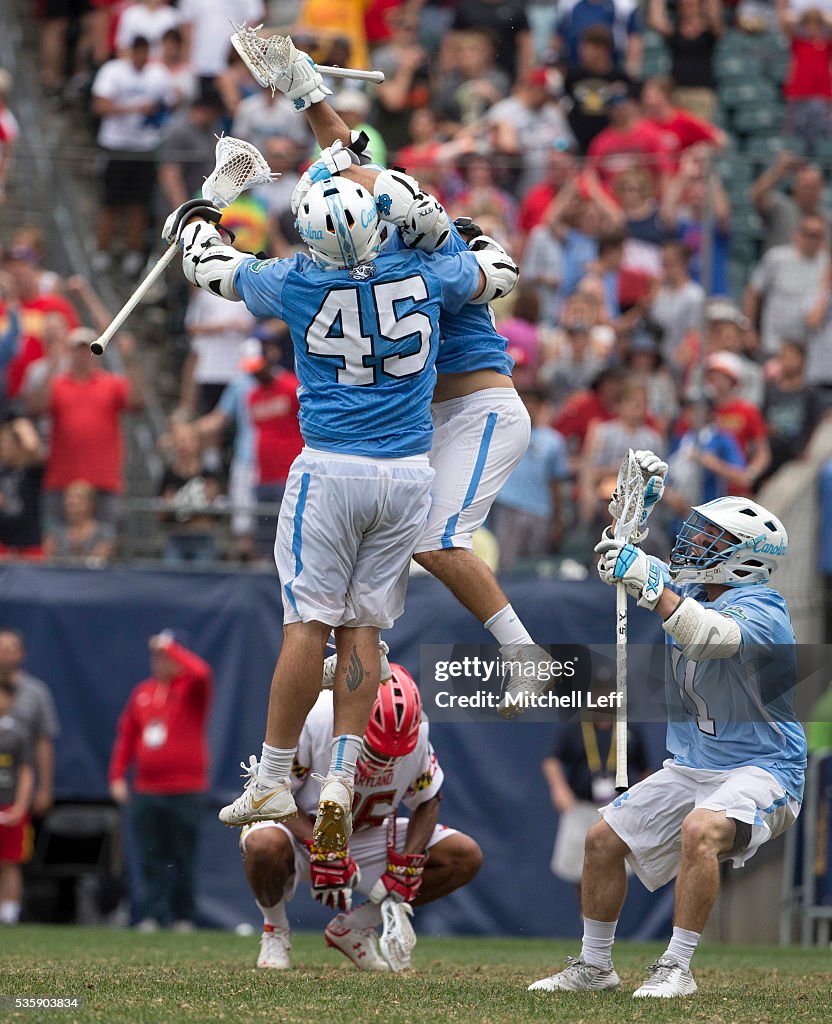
(208,262)
(420,217)
(499,268)
(703,633)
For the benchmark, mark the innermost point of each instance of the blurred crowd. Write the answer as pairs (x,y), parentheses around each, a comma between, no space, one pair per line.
(629,328)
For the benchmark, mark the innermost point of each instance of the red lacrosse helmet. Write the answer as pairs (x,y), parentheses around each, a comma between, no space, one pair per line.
(393,728)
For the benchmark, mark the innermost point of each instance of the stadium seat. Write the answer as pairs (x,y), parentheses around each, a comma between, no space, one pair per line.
(737,67)
(744,95)
(758,120)
(746,224)
(764,148)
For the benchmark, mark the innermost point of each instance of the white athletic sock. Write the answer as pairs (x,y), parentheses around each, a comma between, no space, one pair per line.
(9,912)
(683,945)
(276,762)
(368,915)
(345,750)
(507,629)
(275,916)
(597,942)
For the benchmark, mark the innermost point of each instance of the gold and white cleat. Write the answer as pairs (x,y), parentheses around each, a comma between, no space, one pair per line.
(261,800)
(333,826)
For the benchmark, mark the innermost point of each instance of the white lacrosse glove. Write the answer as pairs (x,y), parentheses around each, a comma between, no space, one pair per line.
(357,152)
(654,471)
(301,82)
(332,161)
(621,562)
(176,221)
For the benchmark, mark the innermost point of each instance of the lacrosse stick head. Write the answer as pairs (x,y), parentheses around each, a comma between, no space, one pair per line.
(266,57)
(628,499)
(398,938)
(239,166)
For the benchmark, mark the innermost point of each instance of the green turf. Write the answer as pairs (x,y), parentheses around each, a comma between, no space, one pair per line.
(209,976)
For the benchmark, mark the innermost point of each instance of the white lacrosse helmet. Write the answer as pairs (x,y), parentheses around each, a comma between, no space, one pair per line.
(338,220)
(732,541)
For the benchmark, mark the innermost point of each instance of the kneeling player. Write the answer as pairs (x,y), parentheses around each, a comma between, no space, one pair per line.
(413,860)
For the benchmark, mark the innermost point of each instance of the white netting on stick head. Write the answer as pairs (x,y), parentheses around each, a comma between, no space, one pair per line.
(628,499)
(266,57)
(239,166)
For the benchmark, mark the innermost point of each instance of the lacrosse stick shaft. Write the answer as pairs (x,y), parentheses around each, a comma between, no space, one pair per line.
(621,780)
(101,343)
(361,76)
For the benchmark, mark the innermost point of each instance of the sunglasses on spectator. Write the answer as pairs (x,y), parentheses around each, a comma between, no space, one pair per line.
(10,688)
(816,236)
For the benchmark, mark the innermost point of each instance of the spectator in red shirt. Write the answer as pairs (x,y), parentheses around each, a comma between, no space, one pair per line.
(597,404)
(742,420)
(680,129)
(33,309)
(161,734)
(808,85)
(85,404)
(630,140)
(273,407)
(559,168)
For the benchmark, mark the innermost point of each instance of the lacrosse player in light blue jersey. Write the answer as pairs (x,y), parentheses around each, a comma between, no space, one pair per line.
(365,329)
(481,428)
(739,754)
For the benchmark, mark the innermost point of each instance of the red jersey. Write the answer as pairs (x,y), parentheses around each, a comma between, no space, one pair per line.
(273,409)
(613,151)
(162,730)
(809,75)
(742,420)
(86,432)
(683,130)
(534,205)
(579,413)
(32,316)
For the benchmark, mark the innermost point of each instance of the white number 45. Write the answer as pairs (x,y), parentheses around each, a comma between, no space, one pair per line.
(337,332)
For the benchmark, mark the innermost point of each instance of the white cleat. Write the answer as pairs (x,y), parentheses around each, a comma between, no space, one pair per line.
(262,800)
(519,686)
(333,826)
(359,944)
(274,949)
(668,979)
(579,976)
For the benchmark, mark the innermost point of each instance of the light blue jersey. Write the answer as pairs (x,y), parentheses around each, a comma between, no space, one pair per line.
(469,338)
(732,712)
(366,342)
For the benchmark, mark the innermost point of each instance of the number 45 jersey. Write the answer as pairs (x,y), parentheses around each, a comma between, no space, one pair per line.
(730,712)
(366,341)
(412,779)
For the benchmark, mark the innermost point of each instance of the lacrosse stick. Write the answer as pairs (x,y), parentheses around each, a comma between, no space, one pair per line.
(267,58)
(239,166)
(629,506)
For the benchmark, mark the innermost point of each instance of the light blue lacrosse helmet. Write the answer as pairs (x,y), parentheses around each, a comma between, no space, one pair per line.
(339,222)
(731,541)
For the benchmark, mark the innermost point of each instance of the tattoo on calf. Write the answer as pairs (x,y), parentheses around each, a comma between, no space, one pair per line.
(355,671)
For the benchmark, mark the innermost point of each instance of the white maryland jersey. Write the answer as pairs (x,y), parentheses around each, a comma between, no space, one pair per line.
(409,780)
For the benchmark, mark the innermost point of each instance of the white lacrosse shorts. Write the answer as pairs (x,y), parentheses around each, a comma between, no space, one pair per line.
(345,534)
(368,848)
(648,817)
(477,442)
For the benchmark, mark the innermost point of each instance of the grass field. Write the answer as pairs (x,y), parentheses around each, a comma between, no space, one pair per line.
(209,976)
